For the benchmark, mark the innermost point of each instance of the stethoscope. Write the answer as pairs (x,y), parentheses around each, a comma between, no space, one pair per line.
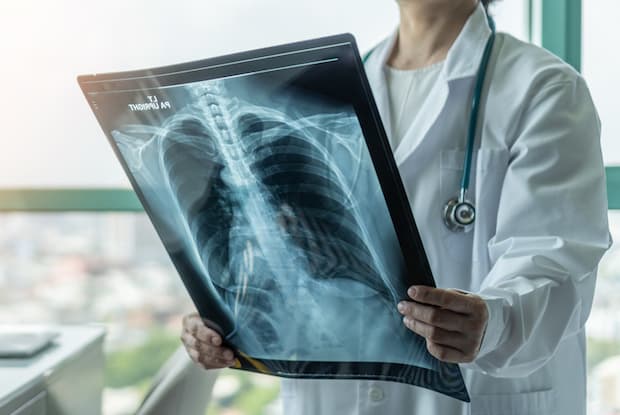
(459,214)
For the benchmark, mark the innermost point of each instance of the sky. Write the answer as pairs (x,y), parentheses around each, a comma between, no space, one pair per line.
(50,137)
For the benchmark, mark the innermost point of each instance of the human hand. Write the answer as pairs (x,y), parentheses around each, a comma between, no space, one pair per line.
(204,345)
(452,322)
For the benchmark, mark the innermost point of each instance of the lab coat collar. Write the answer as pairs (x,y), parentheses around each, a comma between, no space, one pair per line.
(465,53)
(463,60)
(462,63)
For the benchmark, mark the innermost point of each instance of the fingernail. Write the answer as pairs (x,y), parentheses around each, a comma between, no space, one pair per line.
(411,291)
(401,307)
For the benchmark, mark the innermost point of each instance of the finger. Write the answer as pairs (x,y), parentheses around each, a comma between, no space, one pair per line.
(187,318)
(450,299)
(202,352)
(439,336)
(193,353)
(199,328)
(208,335)
(446,353)
(215,363)
(199,350)
(188,340)
(211,362)
(434,316)
(221,353)
(192,322)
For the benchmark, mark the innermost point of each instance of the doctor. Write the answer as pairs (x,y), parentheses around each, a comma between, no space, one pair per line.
(518,283)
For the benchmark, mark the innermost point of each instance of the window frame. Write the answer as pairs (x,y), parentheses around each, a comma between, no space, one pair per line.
(561,33)
(559,26)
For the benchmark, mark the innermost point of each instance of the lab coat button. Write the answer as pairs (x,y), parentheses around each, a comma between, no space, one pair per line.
(375,394)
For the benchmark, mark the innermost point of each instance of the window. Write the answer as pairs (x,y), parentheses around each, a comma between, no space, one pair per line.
(600,69)
(50,138)
(100,263)
(603,328)
(82,267)
(110,268)
(511,17)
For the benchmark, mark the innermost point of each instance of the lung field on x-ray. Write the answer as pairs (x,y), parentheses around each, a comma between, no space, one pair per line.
(274,207)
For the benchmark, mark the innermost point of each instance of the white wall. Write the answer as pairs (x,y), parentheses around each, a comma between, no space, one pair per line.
(49,136)
(601,68)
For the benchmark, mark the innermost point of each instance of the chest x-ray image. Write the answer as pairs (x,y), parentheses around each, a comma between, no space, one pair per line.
(270,182)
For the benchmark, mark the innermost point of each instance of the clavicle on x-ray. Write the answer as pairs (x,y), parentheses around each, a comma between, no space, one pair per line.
(260,181)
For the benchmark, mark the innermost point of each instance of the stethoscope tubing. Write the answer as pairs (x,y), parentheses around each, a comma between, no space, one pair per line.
(461,203)
(475,110)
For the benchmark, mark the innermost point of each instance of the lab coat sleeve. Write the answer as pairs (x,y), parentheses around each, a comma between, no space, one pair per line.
(551,232)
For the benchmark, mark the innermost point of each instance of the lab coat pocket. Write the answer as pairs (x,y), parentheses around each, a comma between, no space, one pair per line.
(529,403)
(457,245)
(487,176)
(488,169)
(491,167)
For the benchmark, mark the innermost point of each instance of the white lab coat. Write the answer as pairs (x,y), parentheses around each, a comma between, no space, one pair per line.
(541,229)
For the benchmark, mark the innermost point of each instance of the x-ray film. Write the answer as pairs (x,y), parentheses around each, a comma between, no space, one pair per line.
(270,181)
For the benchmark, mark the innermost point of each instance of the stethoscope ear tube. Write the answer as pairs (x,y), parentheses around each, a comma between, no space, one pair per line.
(459,214)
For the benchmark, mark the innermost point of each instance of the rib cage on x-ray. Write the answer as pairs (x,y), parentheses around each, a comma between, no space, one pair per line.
(268,202)
(269,179)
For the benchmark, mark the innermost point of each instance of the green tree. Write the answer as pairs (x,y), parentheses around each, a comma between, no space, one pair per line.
(599,350)
(135,365)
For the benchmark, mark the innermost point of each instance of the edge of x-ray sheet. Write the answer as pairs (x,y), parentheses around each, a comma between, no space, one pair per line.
(270,181)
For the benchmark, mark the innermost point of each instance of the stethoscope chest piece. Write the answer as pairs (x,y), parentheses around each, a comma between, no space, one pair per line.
(459,216)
